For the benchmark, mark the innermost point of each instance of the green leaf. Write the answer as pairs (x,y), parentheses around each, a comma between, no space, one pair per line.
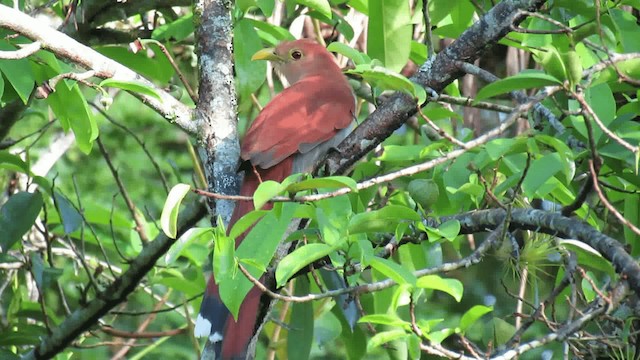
(603,103)
(130,85)
(393,271)
(246,222)
(472,315)
(13,162)
(18,73)
(70,106)
(525,80)
(257,248)
(265,192)
(389,36)
(385,219)
(269,32)
(588,256)
(448,230)
(541,171)
(502,330)
(300,331)
(17,216)
(151,64)
(452,287)
(298,259)
(266,6)
(330,182)
(626,29)
(184,241)
(224,262)
(356,56)
(71,219)
(321,6)
(177,30)
(249,74)
(169,217)
(384,337)
(383,319)
(552,63)
(386,79)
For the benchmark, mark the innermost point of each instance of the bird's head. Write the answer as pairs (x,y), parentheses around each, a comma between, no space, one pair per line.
(298,59)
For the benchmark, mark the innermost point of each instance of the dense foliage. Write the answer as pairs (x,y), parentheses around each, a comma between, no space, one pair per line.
(486,207)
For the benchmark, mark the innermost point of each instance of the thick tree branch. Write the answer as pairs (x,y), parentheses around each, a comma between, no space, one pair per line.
(85,317)
(436,73)
(560,226)
(216,110)
(64,46)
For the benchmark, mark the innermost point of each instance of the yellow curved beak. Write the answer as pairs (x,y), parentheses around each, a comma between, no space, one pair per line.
(266,54)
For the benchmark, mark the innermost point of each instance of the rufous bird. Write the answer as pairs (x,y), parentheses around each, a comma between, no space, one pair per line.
(289,136)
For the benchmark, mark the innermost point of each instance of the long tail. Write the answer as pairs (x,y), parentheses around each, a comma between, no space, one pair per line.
(231,337)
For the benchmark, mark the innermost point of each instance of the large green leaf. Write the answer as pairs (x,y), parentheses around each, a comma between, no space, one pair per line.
(301,325)
(133,86)
(18,73)
(525,80)
(321,6)
(249,74)
(452,287)
(385,219)
(177,30)
(255,252)
(300,258)
(393,271)
(389,36)
(17,216)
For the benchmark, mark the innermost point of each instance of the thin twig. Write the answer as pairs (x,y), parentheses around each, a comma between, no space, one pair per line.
(140,226)
(25,51)
(606,202)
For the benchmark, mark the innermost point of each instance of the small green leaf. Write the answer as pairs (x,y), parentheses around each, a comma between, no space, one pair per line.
(448,230)
(452,287)
(525,80)
(71,219)
(298,259)
(169,217)
(472,315)
(540,172)
(386,79)
(330,182)
(177,30)
(300,331)
(321,6)
(184,241)
(383,319)
(265,192)
(384,337)
(356,56)
(13,162)
(588,256)
(133,86)
(246,222)
(17,216)
(393,271)
(381,220)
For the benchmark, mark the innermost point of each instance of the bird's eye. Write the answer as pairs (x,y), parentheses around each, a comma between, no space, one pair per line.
(296,55)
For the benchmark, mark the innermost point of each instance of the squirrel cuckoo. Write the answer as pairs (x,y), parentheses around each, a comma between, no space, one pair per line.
(289,135)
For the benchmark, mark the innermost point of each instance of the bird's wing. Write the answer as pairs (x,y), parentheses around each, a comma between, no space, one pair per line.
(310,112)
